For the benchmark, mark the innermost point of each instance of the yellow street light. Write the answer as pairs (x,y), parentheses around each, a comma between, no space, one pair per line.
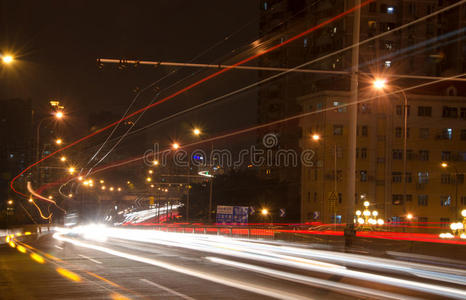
(175,146)
(366,203)
(101,181)
(59,114)
(463,213)
(315,137)
(375,213)
(409,216)
(80,178)
(444,165)
(148,179)
(264,211)
(71,170)
(151,185)
(155,162)
(128,182)
(30,200)
(10,202)
(70,195)
(358,213)
(379,83)
(111,189)
(63,158)
(50,197)
(150,171)
(58,141)
(103,187)
(197,131)
(7,59)
(119,189)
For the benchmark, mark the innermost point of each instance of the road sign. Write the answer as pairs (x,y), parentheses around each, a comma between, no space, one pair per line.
(316,215)
(282,212)
(232,214)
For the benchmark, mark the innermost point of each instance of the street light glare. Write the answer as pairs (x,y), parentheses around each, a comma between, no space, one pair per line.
(175,146)
(444,165)
(71,170)
(196,131)
(379,84)
(59,114)
(10,202)
(7,59)
(264,211)
(58,141)
(63,158)
(315,137)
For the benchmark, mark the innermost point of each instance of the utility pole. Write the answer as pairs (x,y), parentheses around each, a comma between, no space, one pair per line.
(352,129)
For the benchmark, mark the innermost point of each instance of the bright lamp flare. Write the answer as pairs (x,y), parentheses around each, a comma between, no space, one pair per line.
(360,220)
(59,114)
(463,213)
(7,59)
(175,146)
(444,165)
(196,131)
(264,211)
(379,84)
(366,203)
(315,137)
(375,213)
(58,141)
(409,216)
(71,170)
(358,213)
(63,158)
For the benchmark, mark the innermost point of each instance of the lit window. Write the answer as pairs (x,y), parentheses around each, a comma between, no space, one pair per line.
(265,6)
(390,10)
(388,63)
(306,40)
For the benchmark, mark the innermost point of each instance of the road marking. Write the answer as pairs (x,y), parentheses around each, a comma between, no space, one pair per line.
(91,259)
(58,247)
(173,292)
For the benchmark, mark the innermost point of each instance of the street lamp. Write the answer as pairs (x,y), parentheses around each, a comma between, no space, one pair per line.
(58,141)
(196,131)
(71,170)
(63,158)
(59,114)
(7,59)
(315,137)
(175,146)
(380,84)
(10,202)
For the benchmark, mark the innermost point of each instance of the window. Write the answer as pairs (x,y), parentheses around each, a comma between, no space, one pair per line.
(337,129)
(424,155)
(339,151)
(463,134)
(424,111)
(340,198)
(308,196)
(363,153)
(463,113)
(363,175)
(423,177)
(450,112)
(399,110)
(463,200)
(446,155)
(410,154)
(445,222)
(447,134)
(409,177)
(339,109)
(397,199)
(398,132)
(460,178)
(387,45)
(445,179)
(409,198)
(315,196)
(397,154)
(364,130)
(266,6)
(422,200)
(364,108)
(305,42)
(396,177)
(445,200)
(424,133)
(372,24)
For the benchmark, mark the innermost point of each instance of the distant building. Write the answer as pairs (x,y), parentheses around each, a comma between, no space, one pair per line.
(15,140)
(436,134)
(433,47)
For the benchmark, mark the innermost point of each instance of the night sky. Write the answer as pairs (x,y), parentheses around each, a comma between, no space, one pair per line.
(56,44)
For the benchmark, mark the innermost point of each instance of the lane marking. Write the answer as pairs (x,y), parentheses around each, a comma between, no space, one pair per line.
(173,292)
(58,247)
(91,259)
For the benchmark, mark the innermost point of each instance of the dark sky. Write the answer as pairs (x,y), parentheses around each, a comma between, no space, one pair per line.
(57,44)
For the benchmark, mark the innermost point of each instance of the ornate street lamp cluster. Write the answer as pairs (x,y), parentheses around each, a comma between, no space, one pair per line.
(368,218)
(457,229)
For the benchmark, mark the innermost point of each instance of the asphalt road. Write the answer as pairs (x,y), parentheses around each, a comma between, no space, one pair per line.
(146,265)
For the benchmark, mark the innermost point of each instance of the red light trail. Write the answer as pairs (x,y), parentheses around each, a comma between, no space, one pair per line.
(190,87)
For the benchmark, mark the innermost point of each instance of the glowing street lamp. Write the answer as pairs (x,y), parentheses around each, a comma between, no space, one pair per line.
(59,114)
(409,216)
(155,162)
(379,84)
(264,211)
(30,200)
(58,141)
(444,165)
(315,137)
(10,202)
(71,170)
(148,179)
(119,189)
(175,146)
(63,158)
(196,131)
(7,59)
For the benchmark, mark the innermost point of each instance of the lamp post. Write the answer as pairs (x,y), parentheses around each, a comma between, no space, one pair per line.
(380,84)
(58,115)
(446,165)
